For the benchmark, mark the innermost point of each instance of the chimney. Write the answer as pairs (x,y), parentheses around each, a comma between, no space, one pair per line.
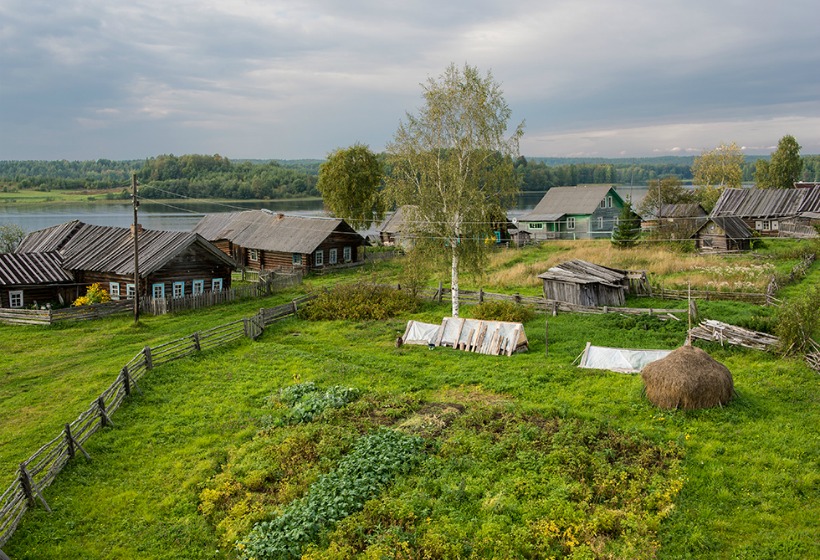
(279,216)
(140,229)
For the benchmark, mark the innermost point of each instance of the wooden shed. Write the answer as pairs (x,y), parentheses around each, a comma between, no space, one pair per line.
(263,240)
(27,279)
(723,234)
(171,263)
(584,283)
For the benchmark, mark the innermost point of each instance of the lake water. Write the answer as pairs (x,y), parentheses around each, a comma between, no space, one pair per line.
(183,215)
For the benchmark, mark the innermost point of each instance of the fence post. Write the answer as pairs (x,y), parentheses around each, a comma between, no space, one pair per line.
(104,419)
(126,382)
(197,344)
(146,353)
(481,295)
(517,298)
(29,490)
(73,443)
(439,294)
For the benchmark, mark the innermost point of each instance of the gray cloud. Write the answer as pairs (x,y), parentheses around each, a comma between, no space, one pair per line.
(289,79)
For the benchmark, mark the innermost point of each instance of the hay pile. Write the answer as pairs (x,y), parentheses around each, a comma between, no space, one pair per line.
(687,378)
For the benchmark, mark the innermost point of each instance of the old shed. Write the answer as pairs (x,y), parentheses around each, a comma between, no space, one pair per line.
(727,233)
(584,283)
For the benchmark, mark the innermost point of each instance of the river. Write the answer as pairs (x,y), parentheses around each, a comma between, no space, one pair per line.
(183,215)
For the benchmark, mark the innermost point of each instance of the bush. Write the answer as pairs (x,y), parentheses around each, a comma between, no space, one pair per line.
(307,401)
(94,294)
(798,320)
(358,302)
(503,311)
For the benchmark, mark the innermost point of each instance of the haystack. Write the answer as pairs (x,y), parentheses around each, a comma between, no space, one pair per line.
(688,378)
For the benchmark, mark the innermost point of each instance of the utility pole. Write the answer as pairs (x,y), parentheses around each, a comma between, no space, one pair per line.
(136,231)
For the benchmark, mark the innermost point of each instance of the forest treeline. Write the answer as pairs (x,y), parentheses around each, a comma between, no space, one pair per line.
(214,176)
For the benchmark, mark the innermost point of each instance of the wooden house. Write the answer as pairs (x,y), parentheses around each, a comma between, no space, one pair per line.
(584,283)
(765,210)
(171,263)
(582,212)
(266,241)
(393,231)
(720,234)
(675,221)
(28,279)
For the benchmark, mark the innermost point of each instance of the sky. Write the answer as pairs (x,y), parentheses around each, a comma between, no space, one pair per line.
(288,79)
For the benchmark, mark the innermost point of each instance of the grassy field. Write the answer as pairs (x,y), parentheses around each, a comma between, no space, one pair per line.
(742,481)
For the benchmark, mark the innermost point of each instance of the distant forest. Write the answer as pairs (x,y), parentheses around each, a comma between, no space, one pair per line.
(205,176)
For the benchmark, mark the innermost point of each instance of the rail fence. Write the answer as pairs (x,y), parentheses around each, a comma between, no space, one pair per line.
(39,471)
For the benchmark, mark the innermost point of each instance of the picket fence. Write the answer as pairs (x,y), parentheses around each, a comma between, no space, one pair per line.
(38,471)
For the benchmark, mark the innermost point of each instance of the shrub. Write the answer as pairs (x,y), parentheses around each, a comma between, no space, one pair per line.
(503,311)
(797,321)
(358,302)
(93,294)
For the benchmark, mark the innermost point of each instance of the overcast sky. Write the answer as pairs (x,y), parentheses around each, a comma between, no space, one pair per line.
(287,79)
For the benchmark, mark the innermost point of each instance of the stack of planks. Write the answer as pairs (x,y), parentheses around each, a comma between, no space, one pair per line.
(730,334)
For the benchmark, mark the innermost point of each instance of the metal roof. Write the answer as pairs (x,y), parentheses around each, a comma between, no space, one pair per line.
(111,249)
(560,201)
(25,269)
(579,271)
(765,203)
(260,229)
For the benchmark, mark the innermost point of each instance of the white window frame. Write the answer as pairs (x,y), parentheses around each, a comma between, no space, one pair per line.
(332,255)
(319,258)
(197,287)
(600,222)
(609,201)
(296,259)
(178,289)
(216,285)
(347,254)
(130,291)
(114,290)
(253,255)
(571,222)
(775,225)
(158,288)
(16,299)
(766,225)
(603,203)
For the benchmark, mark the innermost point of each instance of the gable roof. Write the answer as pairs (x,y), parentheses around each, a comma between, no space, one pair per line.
(560,201)
(395,222)
(578,271)
(261,229)
(811,202)
(762,203)
(23,269)
(111,249)
(734,228)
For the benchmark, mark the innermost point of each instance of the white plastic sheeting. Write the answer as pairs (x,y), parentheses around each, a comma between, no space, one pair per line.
(472,335)
(623,360)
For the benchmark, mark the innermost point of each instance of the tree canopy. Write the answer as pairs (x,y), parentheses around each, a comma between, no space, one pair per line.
(669,190)
(785,167)
(349,182)
(453,167)
(715,170)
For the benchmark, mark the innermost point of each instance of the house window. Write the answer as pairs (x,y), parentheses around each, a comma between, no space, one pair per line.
(775,225)
(16,298)
(253,255)
(766,225)
(570,223)
(536,225)
(319,258)
(297,259)
(114,290)
(130,291)
(347,254)
(603,203)
(617,220)
(179,289)
(331,255)
(758,225)
(609,202)
(198,287)
(158,291)
(216,285)
(600,222)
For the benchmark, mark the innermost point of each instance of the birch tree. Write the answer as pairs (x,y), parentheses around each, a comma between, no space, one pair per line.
(716,170)
(452,167)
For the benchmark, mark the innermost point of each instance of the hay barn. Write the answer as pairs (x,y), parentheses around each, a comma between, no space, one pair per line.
(584,283)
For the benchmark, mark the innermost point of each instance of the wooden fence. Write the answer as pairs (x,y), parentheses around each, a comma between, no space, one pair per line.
(49,316)
(39,471)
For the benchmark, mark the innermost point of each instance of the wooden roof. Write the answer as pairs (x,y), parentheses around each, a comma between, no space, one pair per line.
(560,201)
(578,271)
(765,203)
(27,269)
(395,222)
(734,228)
(261,229)
(111,249)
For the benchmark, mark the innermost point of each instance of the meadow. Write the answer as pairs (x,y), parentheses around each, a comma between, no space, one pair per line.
(542,459)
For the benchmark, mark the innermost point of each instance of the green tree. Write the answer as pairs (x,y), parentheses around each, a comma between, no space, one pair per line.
(715,170)
(763,178)
(453,164)
(350,183)
(786,164)
(669,190)
(10,237)
(628,229)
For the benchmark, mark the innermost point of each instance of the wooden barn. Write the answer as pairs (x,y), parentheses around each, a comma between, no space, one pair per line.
(720,234)
(171,263)
(28,279)
(765,210)
(267,241)
(580,282)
